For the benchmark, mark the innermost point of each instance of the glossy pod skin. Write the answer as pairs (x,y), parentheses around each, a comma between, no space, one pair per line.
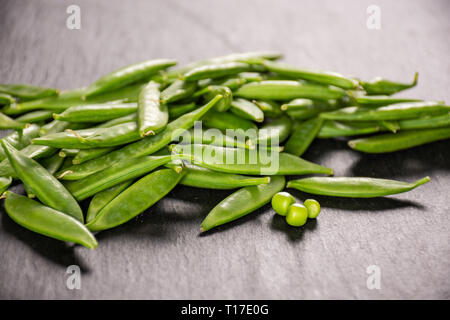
(302,109)
(302,136)
(5,182)
(27,91)
(271,109)
(211,91)
(9,123)
(277,130)
(287,90)
(35,116)
(391,142)
(41,183)
(128,75)
(215,71)
(247,110)
(333,129)
(178,110)
(96,112)
(353,187)
(177,91)
(379,101)
(227,120)
(47,221)
(52,164)
(145,146)
(135,199)
(425,122)
(251,162)
(242,202)
(380,86)
(20,140)
(6,99)
(88,154)
(68,152)
(214,137)
(114,122)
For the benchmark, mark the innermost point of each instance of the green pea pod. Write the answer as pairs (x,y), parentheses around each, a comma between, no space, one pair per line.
(242,202)
(211,91)
(145,146)
(251,162)
(47,221)
(20,140)
(35,116)
(128,75)
(9,123)
(41,183)
(380,86)
(27,91)
(303,136)
(135,199)
(425,122)
(231,83)
(178,110)
(96,112)
(334,129)
(6,99)
(302,109)
(68,152)
(212,71)
(117,173)
(323,77)
(88,154)
(53,163)
(114,122)
(247,110)
(397,111)
(353,187)
(214,137)
(177,91)
(152,115)
(391,142)
(271,109)
(278,129)
(392,126)
(288,90)
(226,120)
(5,182)
(101,199)
(53,127)
(379,101)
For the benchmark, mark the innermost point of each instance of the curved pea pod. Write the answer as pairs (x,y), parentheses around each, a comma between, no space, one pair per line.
(177,91)
(379,101)
(27,91)
(117,173)
(276,130)
(88,154)
(41,183)
(101,199)
(391,142)
(334,129)
(22,139)
(178,110)
(302,109)
(242,202)
(6,99)
(288,90)
(214,137)
(211,91)
(35,116)
(218,70)
(9,123)
(96,112)
(425,122)
(271,109)
(145,146)
(380,86)
(137,198)
(128,75)
(247,110)
(353,187)
(5,182)
(397,111)
(323,77)
(303,136)
(36,217)
(251,162)
(152,114)
(226,120)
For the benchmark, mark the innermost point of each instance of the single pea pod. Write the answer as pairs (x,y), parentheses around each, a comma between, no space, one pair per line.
(397,111)
(145,146)
(27,91)
(215,71)
(88,154)
(391,142)
(20,140)
(35,116)
(353,187)
(251,162)
(152,114)
(288,90)
(9,123)
(53,127)
(214,137)
(379,101)
(380,86)
(334,129)
(96,112)
(178,110)
(5,182)
(68,152)
(274,132)
(211,91)
(270,108)
(137,198)
(242,202)
(114,122)
(101,199)
(323,77)
(53,163)
(303,109)
(231,83)
(392,126)
(227,121)
(41,183)
(36,217)
(6,99)
(177,91)
(303,136)
(425,122)
(128,75)
(247,110)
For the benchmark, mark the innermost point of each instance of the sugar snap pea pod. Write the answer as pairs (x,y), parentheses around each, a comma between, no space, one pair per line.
(27,91)
(96,112)
(6,99)
(425,122)
(5,182)
(247,110)
(303,136)
(353,187)
(278,129)
(178,90)
(302,109)
(115,174)
(145,146)
(226,120)
(53,127)
(323,77)
(231,83)
(391,142)
(225,103)
(136,199)
(392,126)
(88,154)
(35,116)
(334,129)
(177,110)
(114,122)
(288,90)
(218,70)
(379,101)
(128,75)
(251,162)
(9,123)
(68,152)
(242,202)
(380,86)
(52,164)
(214,137)
(20,140)
(47,221)
(399,111)
(41,183)
(101,199)
(152,115)
(271,109)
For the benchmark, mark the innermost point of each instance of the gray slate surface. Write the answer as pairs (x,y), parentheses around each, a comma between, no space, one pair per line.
(160,255)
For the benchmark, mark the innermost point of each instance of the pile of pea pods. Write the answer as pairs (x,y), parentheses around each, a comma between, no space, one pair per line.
(115,143)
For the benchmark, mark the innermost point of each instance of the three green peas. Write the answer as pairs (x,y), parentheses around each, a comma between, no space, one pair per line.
(296,213)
